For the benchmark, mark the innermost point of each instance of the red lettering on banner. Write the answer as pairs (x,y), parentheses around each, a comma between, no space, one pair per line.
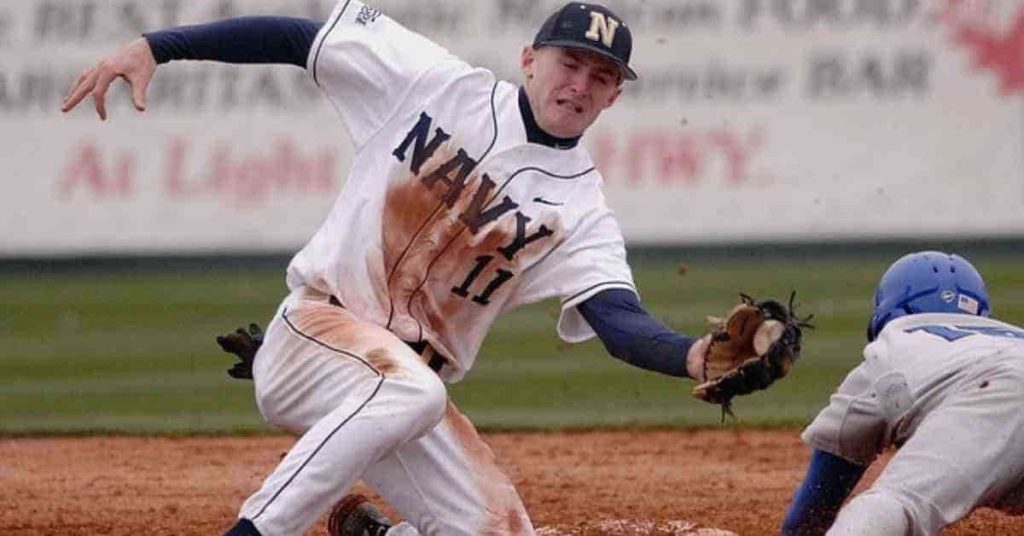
(605,152)
(737,151)
(672,157)
(97,176)
(248,179)
(684,158)
(174,176)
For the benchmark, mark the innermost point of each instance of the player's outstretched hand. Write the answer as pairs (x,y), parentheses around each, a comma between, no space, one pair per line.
(243,344)
(135,63)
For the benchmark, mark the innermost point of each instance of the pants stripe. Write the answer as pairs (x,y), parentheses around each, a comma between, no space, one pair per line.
(376,389)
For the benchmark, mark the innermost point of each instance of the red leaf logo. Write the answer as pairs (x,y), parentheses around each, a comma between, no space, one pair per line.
(998,50)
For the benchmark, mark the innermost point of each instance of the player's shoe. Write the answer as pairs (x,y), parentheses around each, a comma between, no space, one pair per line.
(355,515)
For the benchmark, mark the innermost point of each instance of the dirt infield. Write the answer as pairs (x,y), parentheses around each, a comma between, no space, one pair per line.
(590,483)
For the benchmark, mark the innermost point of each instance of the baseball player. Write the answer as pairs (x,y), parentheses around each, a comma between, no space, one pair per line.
(941,381)
(468,196)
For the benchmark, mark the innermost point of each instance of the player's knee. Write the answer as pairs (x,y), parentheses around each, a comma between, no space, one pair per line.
(423,397)
(433,398)
(877,512)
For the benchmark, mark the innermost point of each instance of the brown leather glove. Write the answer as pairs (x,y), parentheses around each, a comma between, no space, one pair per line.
(752,347)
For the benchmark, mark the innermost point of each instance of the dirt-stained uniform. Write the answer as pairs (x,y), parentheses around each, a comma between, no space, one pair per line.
(448,218)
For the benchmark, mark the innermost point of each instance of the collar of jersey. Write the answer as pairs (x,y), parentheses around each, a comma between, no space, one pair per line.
(534,134)
(959,319)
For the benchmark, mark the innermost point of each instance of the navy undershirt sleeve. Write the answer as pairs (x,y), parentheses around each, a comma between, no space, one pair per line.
(240,40)
(828,483)
(631,334)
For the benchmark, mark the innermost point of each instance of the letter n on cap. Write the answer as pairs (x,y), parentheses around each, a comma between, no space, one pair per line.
(602,28)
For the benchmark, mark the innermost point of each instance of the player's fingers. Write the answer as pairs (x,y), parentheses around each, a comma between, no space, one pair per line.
(79,90)
(106,75)
(244,336)
(78,82)
(229,343)
(140,84)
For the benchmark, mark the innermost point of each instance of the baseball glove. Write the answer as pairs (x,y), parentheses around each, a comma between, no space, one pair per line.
(752,347)
(244,344)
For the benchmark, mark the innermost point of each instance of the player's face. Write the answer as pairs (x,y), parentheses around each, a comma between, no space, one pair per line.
(568,88)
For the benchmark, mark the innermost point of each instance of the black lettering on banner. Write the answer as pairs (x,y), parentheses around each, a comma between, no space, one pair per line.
(693,15)
(422,149)
(521,240)
(32,91)
(904,73)
(54,19)
(803,14)
(132,18)
(6,28)
(225,10)
(267,90)
(67,21)
(229,92)
(515,12)
(169,13)
(171,92)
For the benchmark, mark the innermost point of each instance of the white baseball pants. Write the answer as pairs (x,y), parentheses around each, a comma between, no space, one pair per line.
(368,407)
(968,452)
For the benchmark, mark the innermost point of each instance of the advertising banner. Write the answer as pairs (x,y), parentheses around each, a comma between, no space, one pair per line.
(752,120)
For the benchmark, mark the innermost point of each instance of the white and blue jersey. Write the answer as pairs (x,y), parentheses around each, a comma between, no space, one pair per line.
(914,366)
(947,390)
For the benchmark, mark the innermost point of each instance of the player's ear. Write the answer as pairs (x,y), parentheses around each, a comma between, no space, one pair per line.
(526,61)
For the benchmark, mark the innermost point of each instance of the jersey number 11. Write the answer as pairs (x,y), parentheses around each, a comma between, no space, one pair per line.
(501,277)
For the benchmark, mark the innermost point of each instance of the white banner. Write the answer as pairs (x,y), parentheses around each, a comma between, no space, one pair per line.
(753,120)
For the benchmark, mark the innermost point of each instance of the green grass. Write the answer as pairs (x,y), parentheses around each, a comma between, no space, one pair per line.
(95,352)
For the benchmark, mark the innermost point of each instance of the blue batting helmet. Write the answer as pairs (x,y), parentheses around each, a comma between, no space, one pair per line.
(928,282)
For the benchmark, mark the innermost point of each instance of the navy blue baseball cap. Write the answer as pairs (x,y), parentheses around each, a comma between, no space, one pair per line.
(589,27)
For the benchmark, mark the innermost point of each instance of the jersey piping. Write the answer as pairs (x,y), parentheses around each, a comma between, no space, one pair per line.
(405,95)
(316,56)
(598,285)
(440,205)
(376,389)
(497,192)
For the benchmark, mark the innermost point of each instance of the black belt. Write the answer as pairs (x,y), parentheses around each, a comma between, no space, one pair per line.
(435,361)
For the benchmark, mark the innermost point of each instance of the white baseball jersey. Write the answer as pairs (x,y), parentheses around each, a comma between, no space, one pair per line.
(915,364)
(948,389)
(449,216)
